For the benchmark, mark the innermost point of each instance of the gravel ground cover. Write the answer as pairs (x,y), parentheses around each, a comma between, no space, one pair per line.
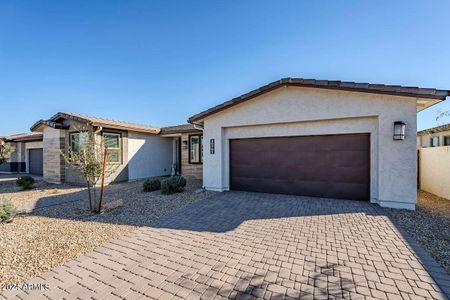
(38,241)
(429,224)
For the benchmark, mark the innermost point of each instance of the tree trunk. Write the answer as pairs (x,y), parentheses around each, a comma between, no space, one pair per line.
(103,180)
(95,198)
(89,194)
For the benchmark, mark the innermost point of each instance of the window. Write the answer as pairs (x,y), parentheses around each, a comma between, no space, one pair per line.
(446,140)
(112,141)
(434,141)
(195,149)
(78,141)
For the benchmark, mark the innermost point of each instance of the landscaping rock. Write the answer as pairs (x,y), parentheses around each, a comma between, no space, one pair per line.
(429,224)
(49,236)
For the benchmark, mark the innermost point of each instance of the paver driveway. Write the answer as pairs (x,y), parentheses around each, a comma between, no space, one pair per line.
(249,245)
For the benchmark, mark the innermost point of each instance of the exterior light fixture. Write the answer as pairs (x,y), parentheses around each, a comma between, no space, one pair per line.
(399,130)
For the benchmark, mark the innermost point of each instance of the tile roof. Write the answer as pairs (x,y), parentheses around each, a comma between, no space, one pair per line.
(184,128)
(22,137)
(440,128)
(396,90)
(96,121)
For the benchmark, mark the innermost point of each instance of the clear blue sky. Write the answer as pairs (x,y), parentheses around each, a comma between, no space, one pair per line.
(159,62)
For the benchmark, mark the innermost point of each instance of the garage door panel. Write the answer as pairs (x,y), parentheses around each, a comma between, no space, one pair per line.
(349,158)
(350,191)
(333,166)
(347,175)
(35,161)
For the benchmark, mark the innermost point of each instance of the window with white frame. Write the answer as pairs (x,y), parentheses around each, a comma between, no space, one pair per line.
(112,141)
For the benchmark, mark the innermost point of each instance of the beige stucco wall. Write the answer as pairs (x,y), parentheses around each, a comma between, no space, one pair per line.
(434,170)
(425,139)
(148,155)
(309,111)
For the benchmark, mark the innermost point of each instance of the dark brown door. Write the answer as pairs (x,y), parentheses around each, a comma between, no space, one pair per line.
(330,166)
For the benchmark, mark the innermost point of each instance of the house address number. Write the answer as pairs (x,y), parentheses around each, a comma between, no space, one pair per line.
(211,146)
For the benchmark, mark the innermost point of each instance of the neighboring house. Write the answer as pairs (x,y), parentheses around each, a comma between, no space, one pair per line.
(434,160)
(27,156)
(434,137)
(317,138)
(137,150)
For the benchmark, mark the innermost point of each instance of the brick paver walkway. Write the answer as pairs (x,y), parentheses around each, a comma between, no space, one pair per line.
(249,245)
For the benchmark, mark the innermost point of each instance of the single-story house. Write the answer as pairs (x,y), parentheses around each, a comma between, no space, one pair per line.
(317,138)
(434,137)
(320,138)
(138,151)
(27,156)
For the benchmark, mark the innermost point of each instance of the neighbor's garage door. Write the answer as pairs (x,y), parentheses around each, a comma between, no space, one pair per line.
(35,160)
(331,166)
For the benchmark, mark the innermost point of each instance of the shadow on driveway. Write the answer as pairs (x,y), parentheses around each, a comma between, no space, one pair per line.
(341,247)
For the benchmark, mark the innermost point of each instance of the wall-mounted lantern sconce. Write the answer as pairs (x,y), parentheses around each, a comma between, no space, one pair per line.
(399,130)
(185,144)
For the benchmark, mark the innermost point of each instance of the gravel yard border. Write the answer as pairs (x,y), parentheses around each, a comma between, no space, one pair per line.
(46,237)
(429,224)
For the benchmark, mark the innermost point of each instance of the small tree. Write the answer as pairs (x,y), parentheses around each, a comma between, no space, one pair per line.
(89,158)
(5,151)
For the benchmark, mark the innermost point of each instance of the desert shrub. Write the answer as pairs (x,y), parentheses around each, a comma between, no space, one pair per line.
(26,182)
(173,184)
(152,184)
(178,183)
(179,180)
(7,211)
(166,187)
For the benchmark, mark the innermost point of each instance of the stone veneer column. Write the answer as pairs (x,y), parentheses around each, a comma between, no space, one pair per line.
(54,165)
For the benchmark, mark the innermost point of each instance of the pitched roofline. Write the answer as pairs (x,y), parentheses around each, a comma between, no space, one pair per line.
(48,123)
(436,129)
(179,129)
(52,122)
(24,137)
(395,90)
(63,115)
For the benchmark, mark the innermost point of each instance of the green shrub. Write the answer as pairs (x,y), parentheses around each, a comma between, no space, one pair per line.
(178,183)
(180,180)
(152,184)
(7,211)
(173,184)
(26,182)
(166,187)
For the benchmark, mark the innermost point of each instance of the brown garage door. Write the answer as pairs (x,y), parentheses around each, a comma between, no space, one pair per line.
(331,166)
